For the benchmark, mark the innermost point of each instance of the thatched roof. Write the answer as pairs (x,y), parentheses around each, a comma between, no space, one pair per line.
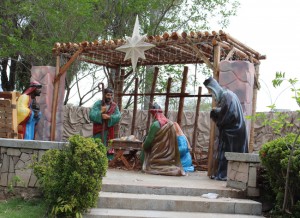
(172,48)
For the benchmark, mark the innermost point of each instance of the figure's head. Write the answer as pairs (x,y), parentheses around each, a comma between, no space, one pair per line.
(34,89)
(157,113)
(155,106)
(213,87)
(155,109)
(108,92)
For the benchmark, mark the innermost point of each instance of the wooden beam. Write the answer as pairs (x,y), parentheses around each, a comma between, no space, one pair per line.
(171,95)
(211,163)
(181,100)
(168,96)
(67,65)
(242,45)
(229,55)
(196,120)
(54,101)
(200,54)
(135,105)
(155,75)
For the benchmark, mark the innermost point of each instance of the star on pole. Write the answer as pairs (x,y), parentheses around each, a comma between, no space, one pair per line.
(135,46)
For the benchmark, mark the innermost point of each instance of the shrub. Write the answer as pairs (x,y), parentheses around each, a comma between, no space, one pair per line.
(71,178)
(275,156)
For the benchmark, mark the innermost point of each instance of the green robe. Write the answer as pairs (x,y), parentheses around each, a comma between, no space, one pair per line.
(96,117)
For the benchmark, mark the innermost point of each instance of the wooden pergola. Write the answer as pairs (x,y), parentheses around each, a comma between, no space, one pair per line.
(185,48)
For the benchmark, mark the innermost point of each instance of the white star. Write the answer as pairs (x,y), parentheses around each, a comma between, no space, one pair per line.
(135,46)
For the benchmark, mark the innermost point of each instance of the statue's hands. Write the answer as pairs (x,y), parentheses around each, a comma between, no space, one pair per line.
(216,110)
(214,114)
(103,109)
(105,116)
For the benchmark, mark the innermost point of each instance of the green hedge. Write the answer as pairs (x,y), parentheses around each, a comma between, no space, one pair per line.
(71,178)
(274,156)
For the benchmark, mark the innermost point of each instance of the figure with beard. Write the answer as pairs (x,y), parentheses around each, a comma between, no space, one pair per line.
(165,149)
(28,111)
(229,118)
(104,116)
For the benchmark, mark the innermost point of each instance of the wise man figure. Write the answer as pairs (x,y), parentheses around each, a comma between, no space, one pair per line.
(28,111)
(105,114)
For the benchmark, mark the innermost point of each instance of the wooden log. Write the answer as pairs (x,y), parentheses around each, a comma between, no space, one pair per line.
(155,76)
(158,38)
(118,98)
(212,165)
(184,35)
(196,120)
(230,54)
(242,45)
(168,96)
(121,88)
(57,45)
(166,36)
(181,100)
(200,54)
(151,38)
(14,116)
(85,43)
(175,36)
(54,101)
(255,60)
(67,65)
(135,105)
(96,42)
(199,34)
(193,34)
(171,95)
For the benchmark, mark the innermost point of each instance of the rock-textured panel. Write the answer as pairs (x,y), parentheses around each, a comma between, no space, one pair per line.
(45,75)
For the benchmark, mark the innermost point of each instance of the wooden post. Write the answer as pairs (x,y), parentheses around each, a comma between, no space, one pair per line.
(135,105)
(211,163)
(54,100)
(156,70)
(117,97)
(196,119)
(181,100)
(254,101)
(120,89)
(168,96)
(59,73)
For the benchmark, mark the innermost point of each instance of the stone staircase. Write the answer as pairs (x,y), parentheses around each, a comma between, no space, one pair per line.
(134,194)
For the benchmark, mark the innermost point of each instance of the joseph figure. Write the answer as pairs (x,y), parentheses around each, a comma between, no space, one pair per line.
(104,115)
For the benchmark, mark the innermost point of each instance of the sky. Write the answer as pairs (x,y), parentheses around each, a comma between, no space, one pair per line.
(272,28)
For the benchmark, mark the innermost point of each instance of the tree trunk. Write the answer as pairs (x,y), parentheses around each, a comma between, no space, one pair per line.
(8,83)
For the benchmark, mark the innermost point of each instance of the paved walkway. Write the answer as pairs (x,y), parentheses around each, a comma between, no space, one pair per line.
(197,179)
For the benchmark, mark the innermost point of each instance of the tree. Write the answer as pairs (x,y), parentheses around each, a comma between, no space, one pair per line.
(282,130)
(29,28)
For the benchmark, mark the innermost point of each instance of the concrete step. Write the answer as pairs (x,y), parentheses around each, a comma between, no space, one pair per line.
(115,200)
(126,213)
(172,190)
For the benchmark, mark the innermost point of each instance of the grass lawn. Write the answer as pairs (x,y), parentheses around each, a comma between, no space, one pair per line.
(19,208)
